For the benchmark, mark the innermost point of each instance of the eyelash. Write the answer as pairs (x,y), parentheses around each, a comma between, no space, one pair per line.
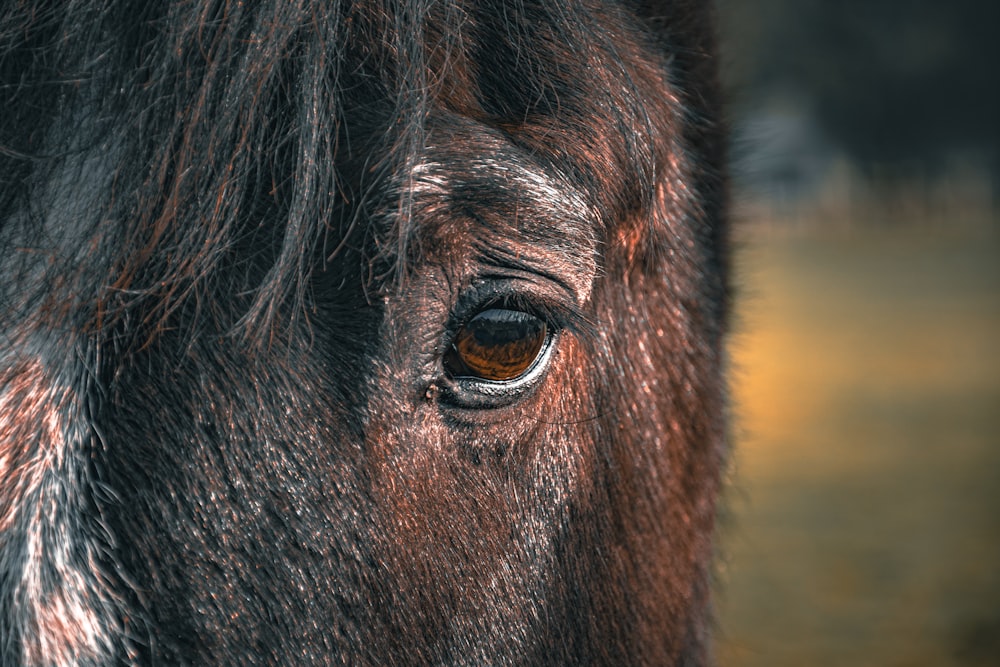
(505,295)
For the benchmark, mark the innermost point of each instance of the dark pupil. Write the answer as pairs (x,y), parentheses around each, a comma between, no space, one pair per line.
(497,345)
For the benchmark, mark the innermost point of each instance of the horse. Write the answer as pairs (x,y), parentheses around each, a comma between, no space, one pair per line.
(360,332)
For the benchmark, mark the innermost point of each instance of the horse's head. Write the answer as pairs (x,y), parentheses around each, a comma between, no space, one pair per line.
(362,332)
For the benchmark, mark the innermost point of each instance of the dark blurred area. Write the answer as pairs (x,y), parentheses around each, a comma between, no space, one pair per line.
(902,92)
(862,521)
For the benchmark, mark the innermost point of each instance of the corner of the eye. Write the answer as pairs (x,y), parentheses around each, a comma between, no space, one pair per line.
(430,391)
(581,283)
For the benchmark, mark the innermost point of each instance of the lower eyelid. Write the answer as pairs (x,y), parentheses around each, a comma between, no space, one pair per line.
(474,393)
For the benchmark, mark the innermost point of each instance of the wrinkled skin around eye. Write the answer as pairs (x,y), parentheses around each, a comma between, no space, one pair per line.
(497,345)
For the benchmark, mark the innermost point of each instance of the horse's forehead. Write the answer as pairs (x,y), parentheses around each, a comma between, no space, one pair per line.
(480,198)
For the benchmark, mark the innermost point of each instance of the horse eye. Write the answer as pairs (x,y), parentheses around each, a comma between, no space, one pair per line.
(497,345)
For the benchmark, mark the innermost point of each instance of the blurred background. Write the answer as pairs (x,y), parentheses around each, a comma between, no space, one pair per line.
(862,518)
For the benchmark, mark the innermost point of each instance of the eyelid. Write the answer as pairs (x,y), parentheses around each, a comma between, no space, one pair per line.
(470,393)
(548,304)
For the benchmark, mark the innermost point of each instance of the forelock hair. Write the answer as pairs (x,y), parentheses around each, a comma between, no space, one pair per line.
(229,126)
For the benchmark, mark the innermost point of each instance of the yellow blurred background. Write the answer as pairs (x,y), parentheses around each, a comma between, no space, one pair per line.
(861,524)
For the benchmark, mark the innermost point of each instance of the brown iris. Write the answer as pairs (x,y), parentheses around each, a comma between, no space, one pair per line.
(497,345)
